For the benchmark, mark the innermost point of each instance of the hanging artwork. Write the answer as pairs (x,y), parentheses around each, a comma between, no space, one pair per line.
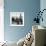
(17,18)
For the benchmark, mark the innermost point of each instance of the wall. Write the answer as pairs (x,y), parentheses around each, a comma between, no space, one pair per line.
(29,7)
(1,20)
(43,6)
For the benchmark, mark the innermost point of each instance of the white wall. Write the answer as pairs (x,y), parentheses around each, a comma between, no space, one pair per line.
(1,20)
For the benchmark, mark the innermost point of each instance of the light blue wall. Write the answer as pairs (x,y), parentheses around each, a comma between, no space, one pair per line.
(43,6)
(29,7)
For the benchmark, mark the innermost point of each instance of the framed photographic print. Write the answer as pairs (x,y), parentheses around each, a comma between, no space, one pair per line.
(16,18)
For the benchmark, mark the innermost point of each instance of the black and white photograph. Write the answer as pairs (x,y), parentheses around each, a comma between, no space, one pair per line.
(17,18)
